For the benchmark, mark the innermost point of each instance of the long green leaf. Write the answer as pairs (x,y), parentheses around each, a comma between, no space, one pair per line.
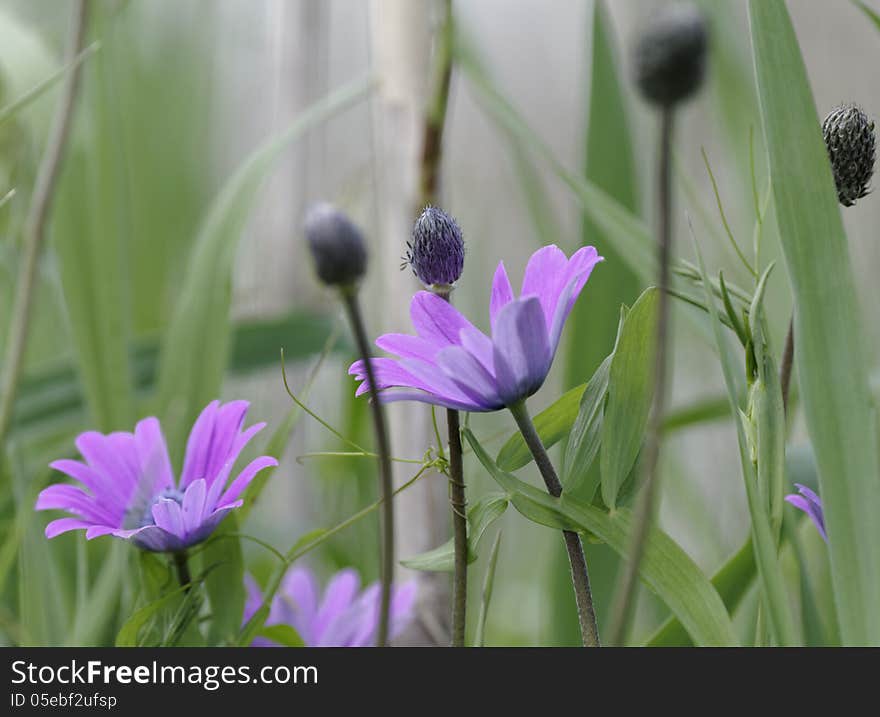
(630,392)
(196,344)
(665,568)
(586,436)
(829,348)
(225,583)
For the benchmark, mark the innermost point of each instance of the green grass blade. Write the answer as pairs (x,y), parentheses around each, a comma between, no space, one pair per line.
(829,348)
(196,345)
(486,597)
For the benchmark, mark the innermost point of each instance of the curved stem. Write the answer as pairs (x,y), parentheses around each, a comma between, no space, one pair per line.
(386,488)
(786,365)
(35,223)
(579,576)
(624,603)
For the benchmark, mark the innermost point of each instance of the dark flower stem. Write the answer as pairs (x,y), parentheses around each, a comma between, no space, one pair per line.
(435,117)
(786,365)
(624,603)
(458,503)
(579,576)
(429,180)
(386,488)
(182,565)
(35,222)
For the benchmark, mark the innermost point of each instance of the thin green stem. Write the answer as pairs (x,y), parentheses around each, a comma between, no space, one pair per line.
(579,576)
(625,594)
(736,249)
(386,487)
(181,564)
(35,223)
(314,415)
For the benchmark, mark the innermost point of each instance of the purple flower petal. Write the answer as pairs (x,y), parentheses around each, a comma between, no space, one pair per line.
(169,517)
(403,602)
(469,376)
(63,525)
(407,346)
(211,441)
(244,479)
(544,278)
(502,293)
(73,500)
(522,351)
(436,320)
(338,596)
(811,504)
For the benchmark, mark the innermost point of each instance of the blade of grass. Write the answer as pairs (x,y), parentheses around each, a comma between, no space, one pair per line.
(830,352)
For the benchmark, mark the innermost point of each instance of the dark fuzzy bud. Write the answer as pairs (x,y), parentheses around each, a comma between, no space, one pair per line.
(337,246)
(670,55)
(849,137)
(436,252)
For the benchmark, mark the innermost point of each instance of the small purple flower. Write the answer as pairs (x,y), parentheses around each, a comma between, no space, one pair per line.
(811,504)
(453,364)
(342,617)
(130,488)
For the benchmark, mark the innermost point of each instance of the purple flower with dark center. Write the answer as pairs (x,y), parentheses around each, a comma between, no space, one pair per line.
(451,363)
(344,616)
(129,489)
(811,504)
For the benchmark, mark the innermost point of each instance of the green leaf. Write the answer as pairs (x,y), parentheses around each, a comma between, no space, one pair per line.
(630,391)
(486,597)
(666,568)
(732,581)
(585,436)
(829,332)
(284,635)
(552,424)
(196,345)
(225,583)
(480,516)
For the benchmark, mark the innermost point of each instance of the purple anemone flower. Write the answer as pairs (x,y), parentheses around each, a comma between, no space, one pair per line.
(811,504)
(342,617)
(453,364)
(130,491)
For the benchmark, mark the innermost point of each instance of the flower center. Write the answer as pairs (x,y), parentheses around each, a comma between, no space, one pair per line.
(167,494)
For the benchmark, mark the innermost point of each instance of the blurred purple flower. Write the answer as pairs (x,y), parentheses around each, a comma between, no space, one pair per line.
(451,363)
(811,504)
(131,492)
(342,617)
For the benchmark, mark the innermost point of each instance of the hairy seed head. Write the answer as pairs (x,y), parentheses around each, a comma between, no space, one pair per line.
(849,138)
